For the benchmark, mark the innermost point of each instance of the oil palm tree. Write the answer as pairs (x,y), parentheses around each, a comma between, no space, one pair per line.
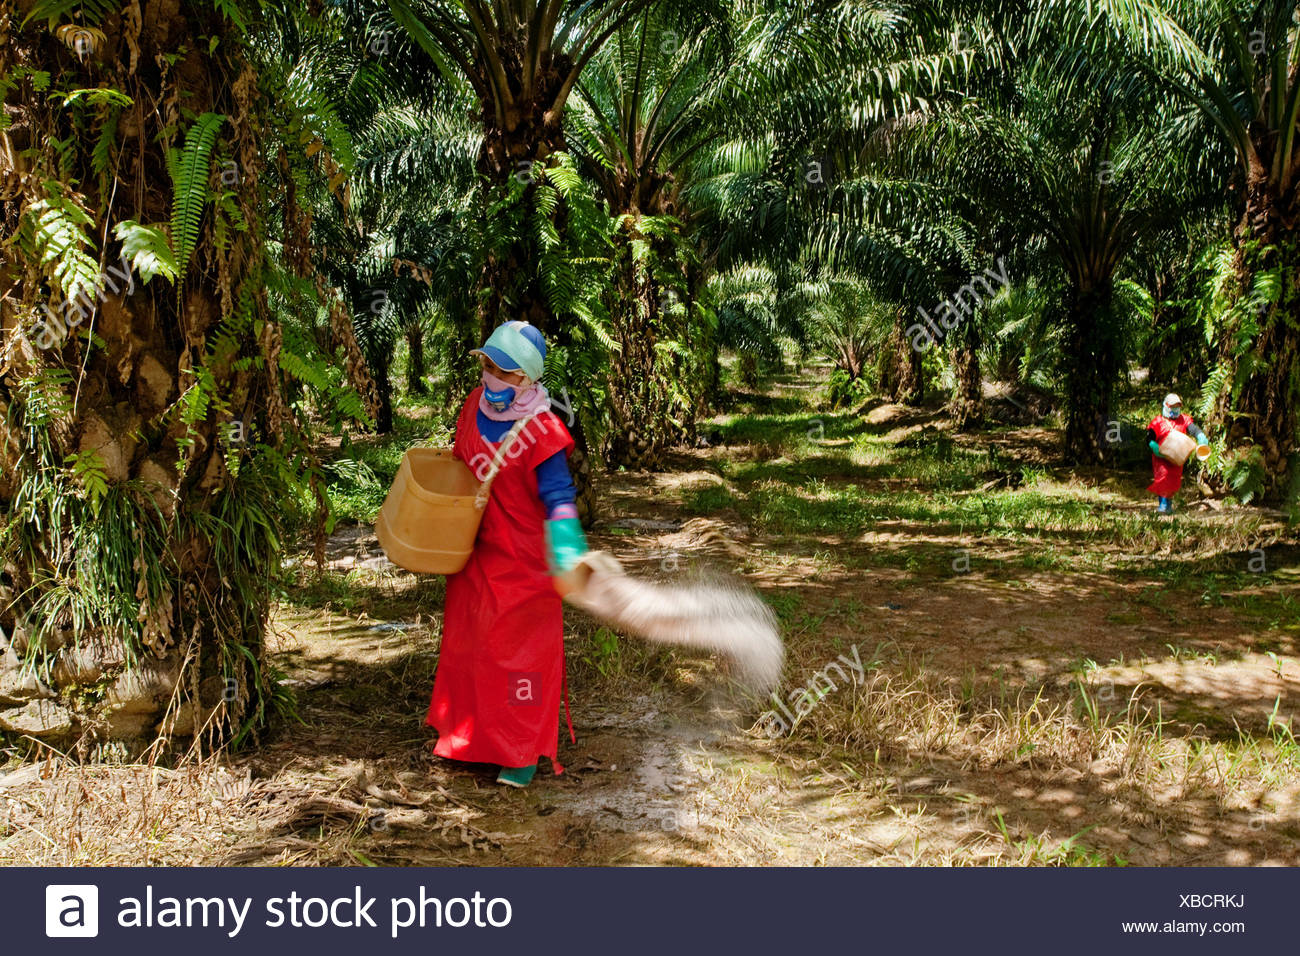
(149,444)
(656,108)
(522,60)
(1233,62)
(857,84)
(1070,177)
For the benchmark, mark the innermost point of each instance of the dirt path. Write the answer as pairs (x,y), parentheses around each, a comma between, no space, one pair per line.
(990,661)
(668,767)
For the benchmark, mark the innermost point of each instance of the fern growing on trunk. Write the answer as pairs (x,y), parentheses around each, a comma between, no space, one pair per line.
(151,457)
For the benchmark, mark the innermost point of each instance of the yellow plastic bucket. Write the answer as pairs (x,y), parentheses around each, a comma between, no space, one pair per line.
(431,516)
(1177,447)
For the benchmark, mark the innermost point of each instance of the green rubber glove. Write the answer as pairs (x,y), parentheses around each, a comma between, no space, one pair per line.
(565,544)
(1154,446)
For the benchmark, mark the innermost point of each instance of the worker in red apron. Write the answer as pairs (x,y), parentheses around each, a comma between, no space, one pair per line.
(500,677)
(1168,475)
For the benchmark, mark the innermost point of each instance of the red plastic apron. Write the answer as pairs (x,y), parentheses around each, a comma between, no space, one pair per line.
(500,677)
(1168,476)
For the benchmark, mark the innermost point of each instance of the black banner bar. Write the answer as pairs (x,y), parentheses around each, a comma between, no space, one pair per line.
(650,910)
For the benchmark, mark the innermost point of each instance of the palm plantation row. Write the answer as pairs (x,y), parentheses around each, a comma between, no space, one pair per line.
(311,201)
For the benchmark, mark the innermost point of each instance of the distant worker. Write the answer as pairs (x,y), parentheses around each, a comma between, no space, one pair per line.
(1168,471)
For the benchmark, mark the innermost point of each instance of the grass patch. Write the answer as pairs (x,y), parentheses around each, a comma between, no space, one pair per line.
(902,711)
(708,499)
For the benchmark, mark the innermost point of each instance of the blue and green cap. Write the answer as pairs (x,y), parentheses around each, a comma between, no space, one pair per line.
(516,347)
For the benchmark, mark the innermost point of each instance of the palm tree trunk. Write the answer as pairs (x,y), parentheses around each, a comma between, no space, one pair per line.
(380,363)
(639,391)
(415,365)
(170,603)
(1265,418)
(515,150)
(902,378)
(1091,366)
(968,397)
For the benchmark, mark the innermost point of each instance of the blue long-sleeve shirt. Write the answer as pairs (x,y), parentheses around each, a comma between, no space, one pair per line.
(554,483)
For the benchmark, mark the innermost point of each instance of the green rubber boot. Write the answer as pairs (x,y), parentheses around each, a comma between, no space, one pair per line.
(517,776)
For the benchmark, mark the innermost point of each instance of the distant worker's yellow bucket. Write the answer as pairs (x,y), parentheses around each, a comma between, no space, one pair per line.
(1177,446)
(430,518)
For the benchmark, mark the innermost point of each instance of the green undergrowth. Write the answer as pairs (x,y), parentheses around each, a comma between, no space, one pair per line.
(794,475)
(362,469)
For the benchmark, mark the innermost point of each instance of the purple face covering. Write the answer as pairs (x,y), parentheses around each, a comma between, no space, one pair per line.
(532,399)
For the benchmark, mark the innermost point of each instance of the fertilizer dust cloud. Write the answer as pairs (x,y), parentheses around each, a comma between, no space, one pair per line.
(719,616)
